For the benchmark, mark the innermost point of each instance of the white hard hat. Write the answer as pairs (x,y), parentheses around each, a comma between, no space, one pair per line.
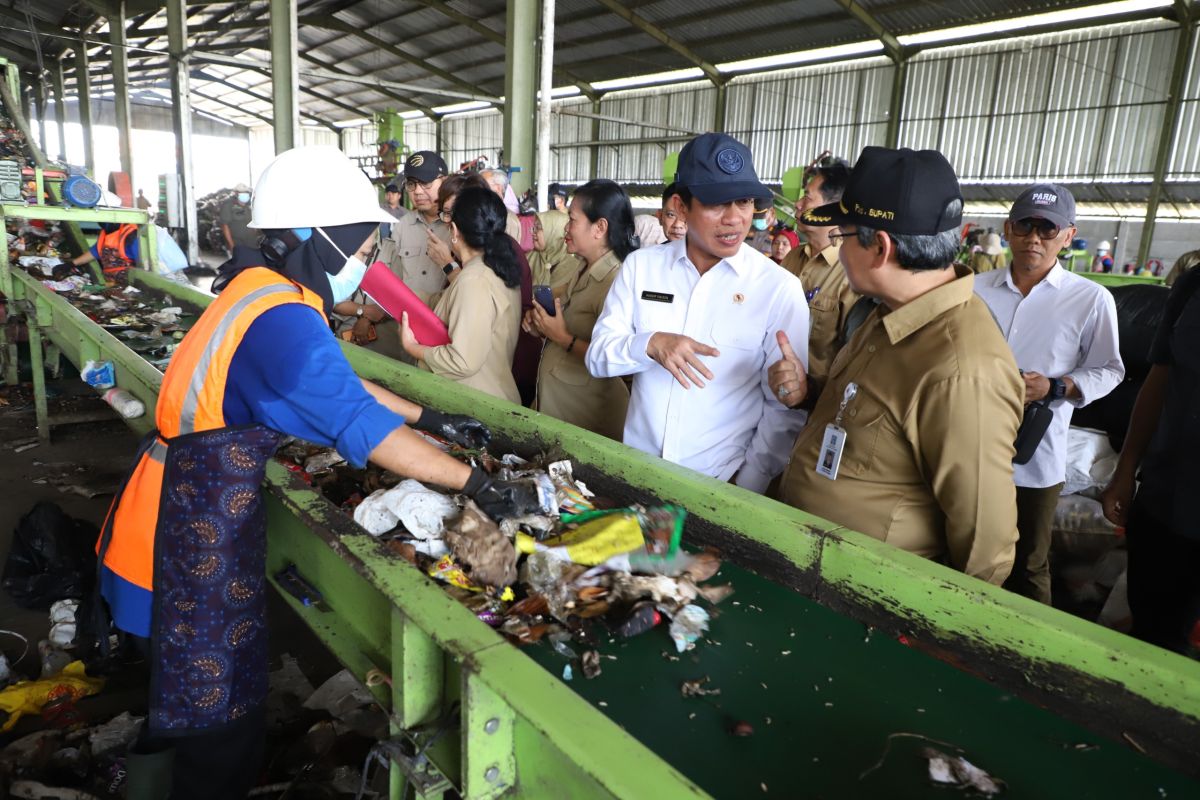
(312,187)
(1104,246)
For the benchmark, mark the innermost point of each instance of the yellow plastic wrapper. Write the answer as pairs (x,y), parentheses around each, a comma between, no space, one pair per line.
(447,570)
(28,697)
(593,542)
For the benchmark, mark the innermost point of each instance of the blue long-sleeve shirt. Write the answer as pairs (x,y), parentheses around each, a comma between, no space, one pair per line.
(290,375)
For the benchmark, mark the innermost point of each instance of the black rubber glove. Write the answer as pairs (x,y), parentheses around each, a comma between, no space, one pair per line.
(501,499)
(460,429)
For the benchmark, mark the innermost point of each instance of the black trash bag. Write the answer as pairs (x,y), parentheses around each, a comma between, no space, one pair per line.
(52,557)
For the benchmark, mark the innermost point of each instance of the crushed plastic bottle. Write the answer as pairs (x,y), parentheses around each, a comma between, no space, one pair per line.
(124,403)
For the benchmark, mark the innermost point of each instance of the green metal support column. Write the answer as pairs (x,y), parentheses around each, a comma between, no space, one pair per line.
(594,150)
(285,79)
(181,118)
(719,111)
(83,90)
(60,107)
(1166,140)
(520,90)
(120,72)
(439,127)
(896,109)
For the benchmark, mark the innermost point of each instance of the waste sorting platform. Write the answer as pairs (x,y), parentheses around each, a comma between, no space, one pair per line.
(840,661)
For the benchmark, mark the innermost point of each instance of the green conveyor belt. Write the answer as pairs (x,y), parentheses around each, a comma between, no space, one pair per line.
(832,701)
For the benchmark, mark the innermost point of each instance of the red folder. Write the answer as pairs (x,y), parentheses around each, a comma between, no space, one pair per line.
(394,297)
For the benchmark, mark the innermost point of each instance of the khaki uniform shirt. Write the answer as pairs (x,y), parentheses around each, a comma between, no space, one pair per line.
(483,317)
(982,262)
(927,461)
(830,299)
(566,389)
(409,261)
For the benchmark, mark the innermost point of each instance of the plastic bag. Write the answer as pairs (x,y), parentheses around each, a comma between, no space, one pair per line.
(422,511)
(28,697)
(51,558)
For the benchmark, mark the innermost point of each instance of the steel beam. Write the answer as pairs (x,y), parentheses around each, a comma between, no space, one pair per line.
(340,73)
(235,107)
(335,24)
(253,93)
(520,90)
(120,73)
(1184,47)
(719,108)
(569,112)
(891,45)
(181,118)
(594,150)
(83,91)
(285,80)
(896,107)
(60,107)
(662,37)
(39,102)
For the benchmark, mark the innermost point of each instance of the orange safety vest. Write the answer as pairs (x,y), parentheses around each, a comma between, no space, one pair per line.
(191,400)
(112,247)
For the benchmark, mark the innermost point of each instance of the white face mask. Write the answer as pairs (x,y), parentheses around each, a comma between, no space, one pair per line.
(344,284)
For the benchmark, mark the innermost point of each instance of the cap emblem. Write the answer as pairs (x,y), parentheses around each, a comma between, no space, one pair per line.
(730,161)
(1044,198)
(416,160)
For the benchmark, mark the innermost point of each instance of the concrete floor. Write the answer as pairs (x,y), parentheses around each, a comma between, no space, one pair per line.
(90,459)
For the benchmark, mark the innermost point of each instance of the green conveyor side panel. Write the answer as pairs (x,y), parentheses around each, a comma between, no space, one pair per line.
(566,742)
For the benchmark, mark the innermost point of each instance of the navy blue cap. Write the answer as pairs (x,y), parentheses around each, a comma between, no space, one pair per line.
(898,191)
(716,168)
(1046,201)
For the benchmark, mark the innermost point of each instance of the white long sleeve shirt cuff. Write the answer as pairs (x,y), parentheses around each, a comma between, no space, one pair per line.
(621,355)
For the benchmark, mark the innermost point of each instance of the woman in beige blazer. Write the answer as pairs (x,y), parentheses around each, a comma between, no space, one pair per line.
(600,231)
(482,307)
(550,262)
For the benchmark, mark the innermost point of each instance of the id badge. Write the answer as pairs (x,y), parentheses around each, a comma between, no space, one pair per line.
(830,457)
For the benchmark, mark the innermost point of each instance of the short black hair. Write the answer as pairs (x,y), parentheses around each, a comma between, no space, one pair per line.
(834,177)
(672,189)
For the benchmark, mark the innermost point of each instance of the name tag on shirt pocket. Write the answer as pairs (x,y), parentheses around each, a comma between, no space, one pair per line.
(658,297)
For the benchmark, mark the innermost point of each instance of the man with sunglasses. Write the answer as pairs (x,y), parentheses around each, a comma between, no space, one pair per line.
(911,441)
(1062,329)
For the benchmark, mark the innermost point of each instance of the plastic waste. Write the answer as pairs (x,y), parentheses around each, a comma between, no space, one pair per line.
(54,658)
(98,374)
(687,626)
(482,549)
(124,403)
(51,558)
(447,570)
(116,734)
(62,622)
(28,697)
(593,542)
(641,618)
(422,511)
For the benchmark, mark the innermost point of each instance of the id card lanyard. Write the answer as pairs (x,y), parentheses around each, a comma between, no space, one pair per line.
(834,442)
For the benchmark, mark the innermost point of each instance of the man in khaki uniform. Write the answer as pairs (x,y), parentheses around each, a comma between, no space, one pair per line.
(911,441)
(418,260)
(816,264)
(417,251)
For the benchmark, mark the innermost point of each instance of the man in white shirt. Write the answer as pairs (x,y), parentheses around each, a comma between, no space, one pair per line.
(1062,329)
(695,322)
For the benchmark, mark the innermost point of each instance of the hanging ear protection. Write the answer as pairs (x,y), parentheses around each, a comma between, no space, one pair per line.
(277,245)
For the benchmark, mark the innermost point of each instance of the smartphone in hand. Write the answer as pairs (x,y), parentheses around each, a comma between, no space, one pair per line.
(544,298)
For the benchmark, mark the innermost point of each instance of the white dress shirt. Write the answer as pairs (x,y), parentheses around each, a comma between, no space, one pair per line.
(735,423)
(1067,326)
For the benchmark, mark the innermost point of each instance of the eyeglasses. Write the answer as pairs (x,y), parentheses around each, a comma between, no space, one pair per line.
(1045,228)
(840,237)
(446,215)
(412,184)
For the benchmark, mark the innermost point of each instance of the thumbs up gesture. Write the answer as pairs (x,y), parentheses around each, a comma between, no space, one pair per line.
(786,376)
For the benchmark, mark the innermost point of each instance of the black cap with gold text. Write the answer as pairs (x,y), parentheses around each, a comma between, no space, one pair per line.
(899,191)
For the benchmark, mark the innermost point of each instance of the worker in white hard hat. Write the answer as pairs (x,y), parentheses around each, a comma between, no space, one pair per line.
(1103,261)
(183,547)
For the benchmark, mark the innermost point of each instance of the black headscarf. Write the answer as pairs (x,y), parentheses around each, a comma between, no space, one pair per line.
(307,264)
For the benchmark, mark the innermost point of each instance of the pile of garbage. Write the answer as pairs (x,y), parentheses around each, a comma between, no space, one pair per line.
(575,571)
(35,245)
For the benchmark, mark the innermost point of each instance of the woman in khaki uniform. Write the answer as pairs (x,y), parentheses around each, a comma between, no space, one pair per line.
(549,260)
(482,307)
(600,231)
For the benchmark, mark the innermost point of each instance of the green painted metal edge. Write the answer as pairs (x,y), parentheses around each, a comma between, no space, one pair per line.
(843,559)
(1120,279)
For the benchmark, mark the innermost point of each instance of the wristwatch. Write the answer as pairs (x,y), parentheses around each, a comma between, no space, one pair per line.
(1058,389)
(358,312)
(453,265)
